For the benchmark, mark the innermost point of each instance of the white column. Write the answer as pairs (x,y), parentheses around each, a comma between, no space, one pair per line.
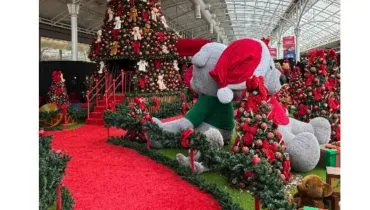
(279,54)
(297,32)
(73,10)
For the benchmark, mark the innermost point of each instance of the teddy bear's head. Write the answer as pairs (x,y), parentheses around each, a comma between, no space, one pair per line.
(203,62)
(312,186)
(117,19)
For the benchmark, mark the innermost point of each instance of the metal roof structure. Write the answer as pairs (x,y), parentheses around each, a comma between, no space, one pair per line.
(317,21)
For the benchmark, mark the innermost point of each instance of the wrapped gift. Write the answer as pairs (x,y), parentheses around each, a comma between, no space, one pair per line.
(329,156)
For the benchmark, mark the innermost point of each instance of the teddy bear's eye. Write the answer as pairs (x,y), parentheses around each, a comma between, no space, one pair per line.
(270,67)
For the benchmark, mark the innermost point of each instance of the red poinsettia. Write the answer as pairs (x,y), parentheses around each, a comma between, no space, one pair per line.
(317,94)
(267,150)
(302,110)
(333,103)
(331,84)
(309,79)
(250,131)
(332,54)
(185,137)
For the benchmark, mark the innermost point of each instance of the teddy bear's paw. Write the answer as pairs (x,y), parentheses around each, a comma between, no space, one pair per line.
(214,137)
(304,152)
(199,168)
(322,129)
(182,160)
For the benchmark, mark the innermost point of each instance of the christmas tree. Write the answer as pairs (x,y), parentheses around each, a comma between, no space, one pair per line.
(58,92)
(257,123)
(318,95)
(137,31)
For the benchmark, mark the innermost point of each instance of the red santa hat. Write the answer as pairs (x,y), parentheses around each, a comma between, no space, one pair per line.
(189,47)
(241,59)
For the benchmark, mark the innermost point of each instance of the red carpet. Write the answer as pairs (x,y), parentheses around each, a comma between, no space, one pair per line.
(103,176)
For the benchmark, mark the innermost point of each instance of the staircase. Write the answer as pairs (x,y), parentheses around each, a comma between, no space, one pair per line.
(104,96)
(96,117)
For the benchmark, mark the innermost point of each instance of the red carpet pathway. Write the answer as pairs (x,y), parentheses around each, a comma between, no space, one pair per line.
(101,176)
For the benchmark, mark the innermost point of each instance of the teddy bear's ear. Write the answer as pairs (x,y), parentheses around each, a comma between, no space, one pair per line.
(200,59)
(327,190)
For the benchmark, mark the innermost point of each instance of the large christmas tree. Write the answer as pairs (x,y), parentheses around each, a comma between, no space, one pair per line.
(317,95)
(136,30)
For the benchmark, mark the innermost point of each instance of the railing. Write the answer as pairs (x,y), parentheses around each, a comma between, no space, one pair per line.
(111,90)
(103,87)
(94,94)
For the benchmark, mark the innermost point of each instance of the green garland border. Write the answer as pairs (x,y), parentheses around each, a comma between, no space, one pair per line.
(223,198)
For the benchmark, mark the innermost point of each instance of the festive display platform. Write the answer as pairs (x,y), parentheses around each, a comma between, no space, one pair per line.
(242,198)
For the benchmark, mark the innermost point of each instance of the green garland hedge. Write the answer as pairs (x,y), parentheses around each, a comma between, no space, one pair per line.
(266,183)
(51,171)
(222,197)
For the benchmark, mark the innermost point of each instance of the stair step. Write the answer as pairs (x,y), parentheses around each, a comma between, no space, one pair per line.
(95,121)
(102,102)
(96,115)
(100,109)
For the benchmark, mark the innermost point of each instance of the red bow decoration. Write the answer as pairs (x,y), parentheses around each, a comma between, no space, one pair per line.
(157,64)
(185,141)
(250,131)
(257,92)
(142,81)
(140,101)
(161,36)
(278,112)
(156,104)
(185,108)
(136,46)
(146,118)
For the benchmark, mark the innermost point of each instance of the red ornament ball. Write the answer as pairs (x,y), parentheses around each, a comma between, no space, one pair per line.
(245,150)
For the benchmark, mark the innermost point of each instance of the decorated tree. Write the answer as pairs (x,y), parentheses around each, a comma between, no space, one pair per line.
(58,92)
(318,95)
(136,30)
(257,122)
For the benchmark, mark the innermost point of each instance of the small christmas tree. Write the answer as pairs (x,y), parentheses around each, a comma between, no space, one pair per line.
(137,31)
(257,126)
(58,92)
(318,95)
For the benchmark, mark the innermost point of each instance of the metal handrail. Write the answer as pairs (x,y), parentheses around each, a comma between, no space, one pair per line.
(90,95)
(113,86)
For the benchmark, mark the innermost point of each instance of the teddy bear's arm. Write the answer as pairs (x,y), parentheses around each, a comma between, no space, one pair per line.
(175,126)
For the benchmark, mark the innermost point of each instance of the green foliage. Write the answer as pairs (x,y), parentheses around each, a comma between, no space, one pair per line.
(51,171)
(47,116)
(77,113)
(265,184)
(67,200)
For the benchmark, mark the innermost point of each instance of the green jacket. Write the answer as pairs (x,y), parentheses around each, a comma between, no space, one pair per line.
(210,110)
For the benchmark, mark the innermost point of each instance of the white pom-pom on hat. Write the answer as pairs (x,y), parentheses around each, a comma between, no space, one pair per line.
(225,95)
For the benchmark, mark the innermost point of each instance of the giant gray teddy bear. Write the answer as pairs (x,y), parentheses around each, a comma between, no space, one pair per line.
(302,139)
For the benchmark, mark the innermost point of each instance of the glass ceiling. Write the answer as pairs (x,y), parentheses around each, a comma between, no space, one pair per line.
(320,22)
